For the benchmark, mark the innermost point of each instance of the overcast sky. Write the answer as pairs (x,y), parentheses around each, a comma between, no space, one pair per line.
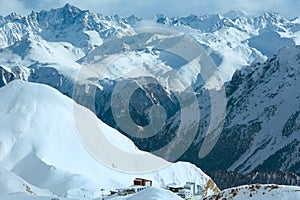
(148,8)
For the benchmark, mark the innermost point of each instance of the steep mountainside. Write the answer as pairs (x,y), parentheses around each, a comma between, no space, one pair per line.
(261,130)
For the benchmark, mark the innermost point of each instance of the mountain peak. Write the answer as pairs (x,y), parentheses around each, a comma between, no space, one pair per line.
(161,18)
(272,16)
(71,9)
(233,14)
(13,16)
(132,20)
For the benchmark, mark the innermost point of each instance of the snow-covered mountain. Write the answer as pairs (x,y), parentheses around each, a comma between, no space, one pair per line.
(236,39)
(261,128)
(52,47)
(259,192)
(260,131)
(82,29)
(41,147)
(69,33)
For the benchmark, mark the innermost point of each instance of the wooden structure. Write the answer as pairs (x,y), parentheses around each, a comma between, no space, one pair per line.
(142,182)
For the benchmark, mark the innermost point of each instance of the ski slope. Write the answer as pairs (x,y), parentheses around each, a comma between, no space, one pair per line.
(40,146)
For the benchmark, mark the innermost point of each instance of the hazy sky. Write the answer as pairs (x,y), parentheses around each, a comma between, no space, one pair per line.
(148,8)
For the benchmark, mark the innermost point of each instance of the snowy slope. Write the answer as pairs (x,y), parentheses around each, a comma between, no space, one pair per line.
(274,104)
(261,131)
(259,192)
(152,193)
(13,187)
(232,40)
(40,142)
(11,183)
(155,194)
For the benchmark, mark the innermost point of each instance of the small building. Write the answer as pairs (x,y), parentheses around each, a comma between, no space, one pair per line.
(185,194)
(138,188)
(123,192)
(174,187)
(191,186)
(189,190)
(199,190)
(142,182)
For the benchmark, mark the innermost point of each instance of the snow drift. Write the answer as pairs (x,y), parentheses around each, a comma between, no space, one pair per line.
(259,192)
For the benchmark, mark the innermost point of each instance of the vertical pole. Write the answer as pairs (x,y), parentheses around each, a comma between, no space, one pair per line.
(102,194)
